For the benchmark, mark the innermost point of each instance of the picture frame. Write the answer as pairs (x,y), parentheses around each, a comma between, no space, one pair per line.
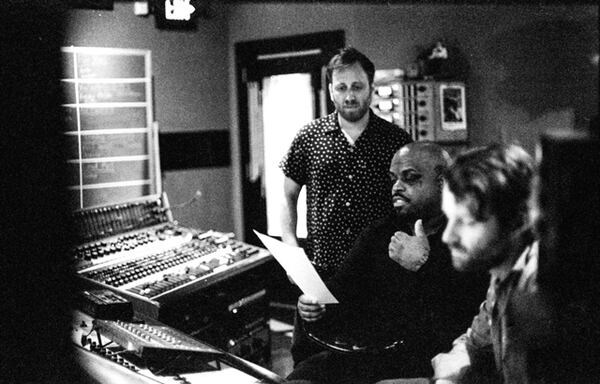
(453,107)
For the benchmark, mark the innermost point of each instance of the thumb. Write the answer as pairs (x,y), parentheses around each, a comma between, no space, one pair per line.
(419,230)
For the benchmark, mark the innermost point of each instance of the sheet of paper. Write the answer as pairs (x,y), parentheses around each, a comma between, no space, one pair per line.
(300,269)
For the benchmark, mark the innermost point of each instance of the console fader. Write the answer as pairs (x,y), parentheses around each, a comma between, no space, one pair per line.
(165,269)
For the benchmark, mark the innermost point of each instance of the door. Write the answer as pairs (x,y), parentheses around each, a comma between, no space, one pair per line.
(281,87)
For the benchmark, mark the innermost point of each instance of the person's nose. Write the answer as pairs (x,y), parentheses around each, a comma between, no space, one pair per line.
(398,186)
(350,95)
(449,235)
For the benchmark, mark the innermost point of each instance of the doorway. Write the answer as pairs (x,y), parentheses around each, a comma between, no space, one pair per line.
(281,86)
(283,114)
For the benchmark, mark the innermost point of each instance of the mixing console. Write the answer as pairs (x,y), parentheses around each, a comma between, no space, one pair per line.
(144,339)
(125,352)
(152,264)
(104,250)
(183,277)
(96,223)
(136,270)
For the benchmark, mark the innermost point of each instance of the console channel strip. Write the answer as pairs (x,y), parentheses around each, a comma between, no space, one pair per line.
(99,222)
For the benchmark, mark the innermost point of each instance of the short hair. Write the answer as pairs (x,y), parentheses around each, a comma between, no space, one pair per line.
(438,155)
(348,56)
(498,178)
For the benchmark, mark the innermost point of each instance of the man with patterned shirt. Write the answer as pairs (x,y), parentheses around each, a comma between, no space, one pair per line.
(343,160)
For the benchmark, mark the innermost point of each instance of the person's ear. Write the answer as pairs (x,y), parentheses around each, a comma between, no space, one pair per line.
(330,87)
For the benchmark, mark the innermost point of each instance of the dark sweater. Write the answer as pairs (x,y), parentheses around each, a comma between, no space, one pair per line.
(383,302)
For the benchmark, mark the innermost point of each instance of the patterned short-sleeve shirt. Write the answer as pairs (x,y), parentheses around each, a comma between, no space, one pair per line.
(347,186)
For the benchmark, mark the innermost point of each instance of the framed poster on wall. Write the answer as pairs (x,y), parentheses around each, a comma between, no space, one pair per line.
(453,107)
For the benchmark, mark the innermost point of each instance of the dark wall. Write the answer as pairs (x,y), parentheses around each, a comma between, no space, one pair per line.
(530,66)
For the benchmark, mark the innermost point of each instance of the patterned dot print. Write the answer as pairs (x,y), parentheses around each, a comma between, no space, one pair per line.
(347,186)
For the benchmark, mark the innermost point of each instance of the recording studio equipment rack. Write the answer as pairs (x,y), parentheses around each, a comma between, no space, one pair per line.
(426,109)
(204,283)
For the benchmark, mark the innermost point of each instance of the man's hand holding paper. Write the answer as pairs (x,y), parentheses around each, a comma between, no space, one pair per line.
(299,269)
(309,308)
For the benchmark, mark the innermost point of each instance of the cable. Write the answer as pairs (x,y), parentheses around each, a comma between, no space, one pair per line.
(194,198)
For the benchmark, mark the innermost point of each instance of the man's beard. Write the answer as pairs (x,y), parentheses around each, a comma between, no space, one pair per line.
(412,213)
(355,114)
(481,260)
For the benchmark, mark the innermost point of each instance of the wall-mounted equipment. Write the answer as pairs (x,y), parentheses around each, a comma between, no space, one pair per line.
(427,110)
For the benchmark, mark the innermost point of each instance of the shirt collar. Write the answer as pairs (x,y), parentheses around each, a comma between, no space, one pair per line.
(527,264)
(333,124)
(517,259)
